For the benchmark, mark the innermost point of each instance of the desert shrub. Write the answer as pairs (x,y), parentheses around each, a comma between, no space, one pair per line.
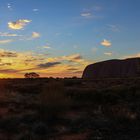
(93,96)
(40,129)
(69,83)
(120,112)
(72,82)
(53,99)
(3,90)
(10,124)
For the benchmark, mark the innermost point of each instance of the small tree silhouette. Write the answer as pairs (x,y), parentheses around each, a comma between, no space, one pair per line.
(31,75)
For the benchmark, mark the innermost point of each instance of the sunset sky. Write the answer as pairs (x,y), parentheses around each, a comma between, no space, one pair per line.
(60,37)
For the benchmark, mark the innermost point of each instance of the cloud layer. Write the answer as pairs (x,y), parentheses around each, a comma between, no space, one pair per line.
(16,64)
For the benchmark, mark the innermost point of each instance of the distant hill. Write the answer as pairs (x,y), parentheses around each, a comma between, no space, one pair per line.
(113,69)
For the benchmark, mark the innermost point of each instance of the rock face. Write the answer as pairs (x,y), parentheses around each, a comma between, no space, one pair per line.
(113,69)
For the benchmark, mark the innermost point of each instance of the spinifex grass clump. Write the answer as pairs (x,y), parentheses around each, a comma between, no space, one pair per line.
(54,100)
(3,90)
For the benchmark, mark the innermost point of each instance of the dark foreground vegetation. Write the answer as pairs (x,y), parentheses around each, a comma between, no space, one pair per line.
(70,109)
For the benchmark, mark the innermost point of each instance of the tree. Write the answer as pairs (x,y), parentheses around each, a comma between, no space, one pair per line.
(31,75)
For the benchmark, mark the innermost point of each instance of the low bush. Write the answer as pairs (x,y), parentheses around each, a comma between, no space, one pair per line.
(53,99)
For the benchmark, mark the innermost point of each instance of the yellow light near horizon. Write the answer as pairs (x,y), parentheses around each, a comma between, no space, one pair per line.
(3,76)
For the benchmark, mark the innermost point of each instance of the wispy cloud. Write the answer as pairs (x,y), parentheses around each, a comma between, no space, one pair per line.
(73,58)
(90,12)
(5,41)
(72,69)
(6,34)
(35,10)
(49,64)
(5,53)
(108,53)
(86,14)
(113,28)
(9,6)
(19,24)
(94,50)
(46,47)
(5,64)
(8,71)
(35,35)
(97,8)
(77,57)
(106,43)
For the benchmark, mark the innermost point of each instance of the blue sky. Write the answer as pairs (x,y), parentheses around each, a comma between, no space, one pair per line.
(64,36)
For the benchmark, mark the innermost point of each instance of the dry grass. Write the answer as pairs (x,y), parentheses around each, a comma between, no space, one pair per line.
(53,98)
(3,91)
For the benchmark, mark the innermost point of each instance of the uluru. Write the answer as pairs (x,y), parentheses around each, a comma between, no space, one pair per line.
(113,69)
